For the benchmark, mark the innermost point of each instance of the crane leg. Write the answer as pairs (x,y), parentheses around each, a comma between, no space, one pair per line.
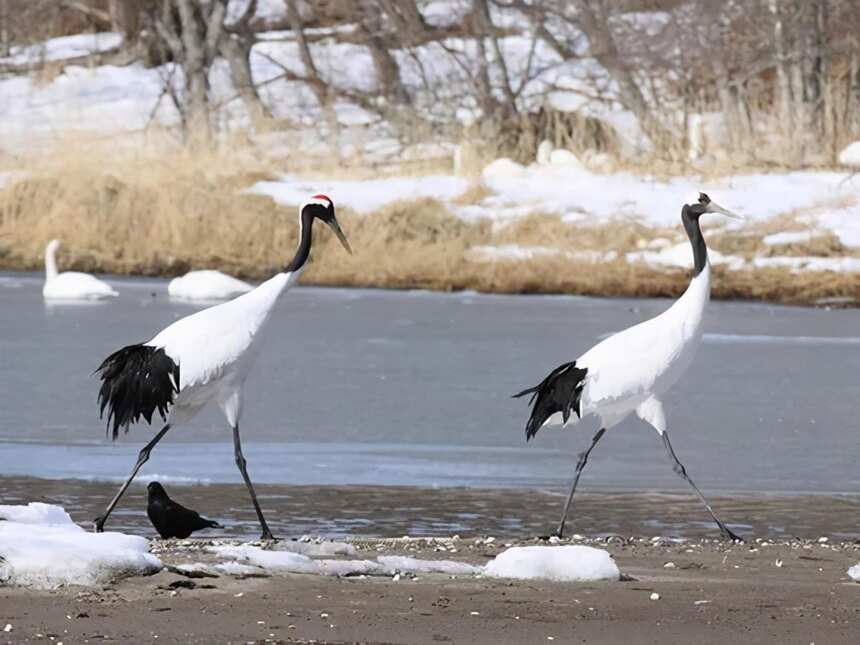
(241,463)
(580,464)
(678,467)
(142,458)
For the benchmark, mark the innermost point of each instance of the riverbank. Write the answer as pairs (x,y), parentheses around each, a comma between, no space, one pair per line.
(508,229)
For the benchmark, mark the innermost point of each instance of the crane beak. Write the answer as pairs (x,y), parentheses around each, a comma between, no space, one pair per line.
(716,208)
(337,231)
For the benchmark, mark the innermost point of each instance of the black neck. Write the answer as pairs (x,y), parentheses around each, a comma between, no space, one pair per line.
(306,222)
(700,251)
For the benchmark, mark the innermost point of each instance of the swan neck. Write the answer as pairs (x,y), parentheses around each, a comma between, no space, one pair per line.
(50,263)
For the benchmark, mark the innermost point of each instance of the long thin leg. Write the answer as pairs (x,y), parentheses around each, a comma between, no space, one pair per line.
(580,464)
(240,462)
(678,467)
(142,458)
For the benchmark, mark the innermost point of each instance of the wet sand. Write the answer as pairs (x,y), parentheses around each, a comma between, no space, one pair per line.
(393,511)
(714,593)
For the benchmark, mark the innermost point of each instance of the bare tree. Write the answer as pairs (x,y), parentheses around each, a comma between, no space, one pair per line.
(193,41)
(235,46)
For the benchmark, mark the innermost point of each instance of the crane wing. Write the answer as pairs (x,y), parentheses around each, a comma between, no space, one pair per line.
(558,392)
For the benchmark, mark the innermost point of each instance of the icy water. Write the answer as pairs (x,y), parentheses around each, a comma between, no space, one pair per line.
(376,388)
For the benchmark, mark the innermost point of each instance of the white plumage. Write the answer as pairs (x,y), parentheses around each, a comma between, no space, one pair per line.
(215,348)
(206,285)
(71,285)
(630,371)
(202,358)
(642,362)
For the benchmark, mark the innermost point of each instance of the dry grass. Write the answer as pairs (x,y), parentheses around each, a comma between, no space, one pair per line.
(157,212)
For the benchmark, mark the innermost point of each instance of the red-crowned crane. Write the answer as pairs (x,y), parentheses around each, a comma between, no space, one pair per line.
(629,371)
(201,358)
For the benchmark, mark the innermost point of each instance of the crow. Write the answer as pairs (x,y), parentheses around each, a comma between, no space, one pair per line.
(171,519)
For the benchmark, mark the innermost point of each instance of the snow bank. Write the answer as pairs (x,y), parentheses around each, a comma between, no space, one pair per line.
(810,263)
(854,573)
(37,513)
(363,196)
(681,256)
(503,252)
(41,547)
(63,48)
(845,224)
(790,237)
(574,563)
(850,156)
(571,189)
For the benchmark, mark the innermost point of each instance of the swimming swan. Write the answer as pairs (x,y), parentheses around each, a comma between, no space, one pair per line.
(71,285)
(206,285)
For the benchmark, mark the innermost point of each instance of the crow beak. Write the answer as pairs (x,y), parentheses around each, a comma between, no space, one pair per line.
(716,208)
(337,231)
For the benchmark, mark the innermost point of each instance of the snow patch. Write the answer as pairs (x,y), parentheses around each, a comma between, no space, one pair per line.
(503,167)
(37,513)
(63,48)
(236,569)
(274,560)
(810,263)
(319,549)
(844,223)
(850,156)
(562,157)
(414,565)
(574,563)
(362,196)
(854,573)
(41,547)
(494,253)
(791,237)
(564,563)
(350,568)
(681,256)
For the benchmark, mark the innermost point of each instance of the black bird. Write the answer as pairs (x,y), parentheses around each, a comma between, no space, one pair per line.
(170,519)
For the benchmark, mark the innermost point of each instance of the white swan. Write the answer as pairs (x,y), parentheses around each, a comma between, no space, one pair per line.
(206,285)
(71,285)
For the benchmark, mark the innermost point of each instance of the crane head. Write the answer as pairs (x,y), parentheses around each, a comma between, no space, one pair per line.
(321,207)
(700,204)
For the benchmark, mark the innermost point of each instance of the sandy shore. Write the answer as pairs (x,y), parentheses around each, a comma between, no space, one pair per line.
(788,592)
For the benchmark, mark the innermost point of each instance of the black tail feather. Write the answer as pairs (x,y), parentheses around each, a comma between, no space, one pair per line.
(137,381)
(558,392)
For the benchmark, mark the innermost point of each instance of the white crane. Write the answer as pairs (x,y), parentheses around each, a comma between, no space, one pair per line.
(630,371)
(71,285)
(206,284)
(201,358)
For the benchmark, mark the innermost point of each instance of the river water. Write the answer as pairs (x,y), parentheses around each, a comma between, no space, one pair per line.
(381,388)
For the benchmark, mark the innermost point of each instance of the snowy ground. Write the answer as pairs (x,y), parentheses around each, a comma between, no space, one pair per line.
(41,547)
(103,101)
(813,203)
